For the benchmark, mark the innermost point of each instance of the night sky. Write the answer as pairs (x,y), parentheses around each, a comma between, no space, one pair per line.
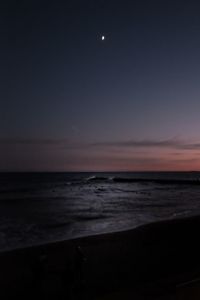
(70,101)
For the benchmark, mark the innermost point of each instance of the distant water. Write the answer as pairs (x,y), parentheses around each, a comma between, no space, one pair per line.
(39,207)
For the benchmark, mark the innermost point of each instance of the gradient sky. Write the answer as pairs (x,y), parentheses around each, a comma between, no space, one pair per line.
(72,102)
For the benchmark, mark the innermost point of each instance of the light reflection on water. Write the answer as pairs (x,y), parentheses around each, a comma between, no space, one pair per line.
(48,208)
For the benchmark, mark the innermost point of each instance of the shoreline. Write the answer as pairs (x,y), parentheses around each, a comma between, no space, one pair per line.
(144,226)
(154,257)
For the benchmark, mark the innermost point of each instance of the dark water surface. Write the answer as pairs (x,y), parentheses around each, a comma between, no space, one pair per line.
(40,207)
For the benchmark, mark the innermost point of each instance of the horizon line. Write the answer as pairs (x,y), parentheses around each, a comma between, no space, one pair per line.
(128,171)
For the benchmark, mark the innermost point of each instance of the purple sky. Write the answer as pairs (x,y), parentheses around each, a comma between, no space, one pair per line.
(72,102)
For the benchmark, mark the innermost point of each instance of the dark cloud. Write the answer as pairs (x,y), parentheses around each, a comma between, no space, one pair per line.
(66,143)
(28,154)
(31,141)
(195,146)
(169,143)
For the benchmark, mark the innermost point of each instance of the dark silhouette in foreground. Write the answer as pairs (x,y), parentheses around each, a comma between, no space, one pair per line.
(156,261)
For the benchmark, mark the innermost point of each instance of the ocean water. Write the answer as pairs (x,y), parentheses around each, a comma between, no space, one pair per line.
(36,208)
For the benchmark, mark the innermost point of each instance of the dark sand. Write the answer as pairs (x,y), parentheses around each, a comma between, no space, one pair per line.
(156,261)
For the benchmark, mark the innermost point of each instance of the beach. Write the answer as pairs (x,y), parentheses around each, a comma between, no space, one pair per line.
(100,150)
(155,261)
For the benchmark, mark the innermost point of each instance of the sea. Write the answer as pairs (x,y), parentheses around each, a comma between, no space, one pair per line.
(37,208)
